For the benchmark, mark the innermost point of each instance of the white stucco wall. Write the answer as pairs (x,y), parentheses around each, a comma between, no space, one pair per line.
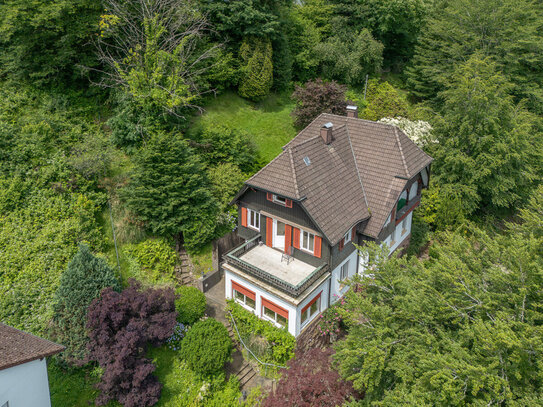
(337,291)
(399,238)
(25,385)
(324,304)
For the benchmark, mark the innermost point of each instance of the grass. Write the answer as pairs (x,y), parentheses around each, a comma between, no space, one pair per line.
(71,388)
(268,123)
(202,260)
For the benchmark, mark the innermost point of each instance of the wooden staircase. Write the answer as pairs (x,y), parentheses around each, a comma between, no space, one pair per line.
(241,368)
(183,271)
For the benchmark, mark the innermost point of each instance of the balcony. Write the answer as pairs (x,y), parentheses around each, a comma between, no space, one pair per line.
(265,263)
(407,207)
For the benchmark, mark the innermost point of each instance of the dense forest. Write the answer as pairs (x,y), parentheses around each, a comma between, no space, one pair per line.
(127,126)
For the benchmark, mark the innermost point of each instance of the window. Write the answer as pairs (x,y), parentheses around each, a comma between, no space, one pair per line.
(279,200)
(402,201)
(344,273)
(243,296)
(308,241)
(404,226)
(274,313)
(388,220)
(347,237)
(311,309)
(413,191)
(253,219)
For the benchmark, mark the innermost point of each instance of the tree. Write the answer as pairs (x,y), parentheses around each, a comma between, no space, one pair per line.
(317,97)
(121,326)
(155,51)
(489,147)
(349,58)
(505,31)
(462,328)
(310,381)
(384,101)
(82,282)
(206,347)
(257,68)
(169,191)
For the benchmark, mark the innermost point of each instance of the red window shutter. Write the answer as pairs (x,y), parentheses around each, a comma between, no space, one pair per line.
(318,245)
(353,234)
(269,231)
(243,290)
(288,239)
(275,308)
(310,303)
(244,217)
(341,243)
(288,203)
(269,196)
(296,238)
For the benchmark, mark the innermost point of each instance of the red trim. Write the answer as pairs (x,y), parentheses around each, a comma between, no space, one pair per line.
(243,290)
(269,232)
(341,243)
(288,239)
(310,303)
(269,196)
(407,213)
(353,234)
(244,217)
(296,238)
(288,203)
(275,308)
(318,245)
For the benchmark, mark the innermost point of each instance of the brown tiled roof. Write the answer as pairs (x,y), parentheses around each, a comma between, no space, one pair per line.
(18,347)
(360,174)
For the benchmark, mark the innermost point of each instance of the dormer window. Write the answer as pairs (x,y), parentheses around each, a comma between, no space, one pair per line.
(347,237)
(280,200)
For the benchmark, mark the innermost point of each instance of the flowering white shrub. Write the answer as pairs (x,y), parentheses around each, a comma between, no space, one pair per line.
(419,131)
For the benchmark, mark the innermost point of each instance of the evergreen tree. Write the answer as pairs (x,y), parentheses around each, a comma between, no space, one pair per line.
(82,282)
(257,70)
(170,193)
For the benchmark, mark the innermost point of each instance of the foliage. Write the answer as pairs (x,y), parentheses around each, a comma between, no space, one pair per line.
(73,387)
(121,325)
(383,100)
(154,259)
(490,148)
(310,381)
(179,332)
(420,234)
(280,343)
(317,97)
(154,51)
(331,320)
(190,304)
(219,144)
(257,68)
(441,207)
(82,282)
(462,328)
(282,63)
(169,191)
(505,31)
(45,42)
(226,180)
(349,59)
(206,347)
(418,131)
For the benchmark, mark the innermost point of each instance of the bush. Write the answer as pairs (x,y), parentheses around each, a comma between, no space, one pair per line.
(120,326)
(384,101)
(207,346)
(280,343)
(317,97)
(82,282)
(153,259)
(190,304)
(257,70)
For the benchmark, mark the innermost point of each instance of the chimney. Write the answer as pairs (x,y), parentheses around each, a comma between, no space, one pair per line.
(326,133)
(352,111)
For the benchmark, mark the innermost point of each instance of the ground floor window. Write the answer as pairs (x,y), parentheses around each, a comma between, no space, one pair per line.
(311,309)
(243,296)
(274,313)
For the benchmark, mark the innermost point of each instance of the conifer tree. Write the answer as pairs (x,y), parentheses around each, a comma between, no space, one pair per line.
(257,71)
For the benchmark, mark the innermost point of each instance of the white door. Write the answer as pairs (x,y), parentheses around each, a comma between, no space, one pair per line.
(278,234)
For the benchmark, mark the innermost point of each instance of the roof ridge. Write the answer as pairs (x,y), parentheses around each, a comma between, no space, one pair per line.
(401,151)
(294,174)
(357,170)
(305,141)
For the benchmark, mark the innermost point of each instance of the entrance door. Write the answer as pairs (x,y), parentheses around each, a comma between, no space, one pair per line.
(278,234)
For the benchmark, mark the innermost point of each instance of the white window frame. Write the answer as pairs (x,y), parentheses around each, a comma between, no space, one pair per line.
(404,225)
(310,315)
(251,212)
(272,319)
(414,187)
(344,271)
(388,220)
(347,237)
(307,249)
(279,200)
(244,302)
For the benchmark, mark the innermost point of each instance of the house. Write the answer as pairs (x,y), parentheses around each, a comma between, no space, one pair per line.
(23,369)
(340,181)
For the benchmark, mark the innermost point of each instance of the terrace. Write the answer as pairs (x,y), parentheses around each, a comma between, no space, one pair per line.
(268,265)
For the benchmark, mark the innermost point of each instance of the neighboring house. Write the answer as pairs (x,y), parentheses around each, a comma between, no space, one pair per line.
(341,180)
(23,369)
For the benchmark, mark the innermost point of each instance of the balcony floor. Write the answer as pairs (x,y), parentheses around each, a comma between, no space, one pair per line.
(269,260)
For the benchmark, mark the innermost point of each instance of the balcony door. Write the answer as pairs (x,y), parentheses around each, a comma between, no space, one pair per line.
(278,234)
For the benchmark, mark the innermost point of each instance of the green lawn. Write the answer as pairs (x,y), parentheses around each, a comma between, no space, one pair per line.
(269,122)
